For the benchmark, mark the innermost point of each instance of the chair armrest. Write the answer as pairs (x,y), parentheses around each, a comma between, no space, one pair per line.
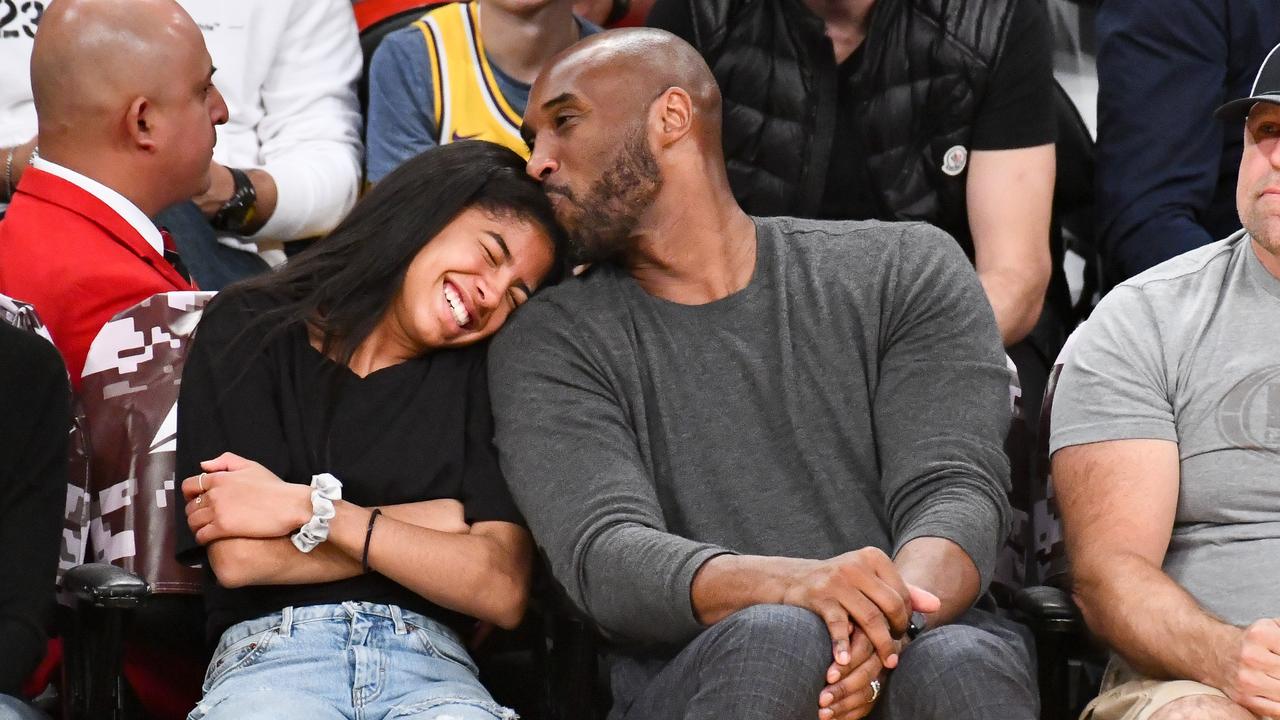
(1048,608)
(106,586)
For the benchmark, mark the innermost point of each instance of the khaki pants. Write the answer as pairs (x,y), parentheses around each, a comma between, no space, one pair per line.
(1126,695)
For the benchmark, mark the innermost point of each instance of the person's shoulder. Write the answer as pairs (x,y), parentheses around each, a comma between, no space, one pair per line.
(983,28)
(715,19)
(45,236)
(27,357)
(232,311)
(44,212)
(1176,295)
(403,43)
(866,243)
(561,314)
(1176,278)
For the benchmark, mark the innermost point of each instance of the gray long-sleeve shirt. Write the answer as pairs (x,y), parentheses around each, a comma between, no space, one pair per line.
(854,394)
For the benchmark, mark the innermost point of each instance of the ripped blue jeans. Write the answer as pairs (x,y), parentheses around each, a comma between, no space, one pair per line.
(356,660)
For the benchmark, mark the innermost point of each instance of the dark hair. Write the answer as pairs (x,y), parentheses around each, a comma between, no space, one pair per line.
(343,285)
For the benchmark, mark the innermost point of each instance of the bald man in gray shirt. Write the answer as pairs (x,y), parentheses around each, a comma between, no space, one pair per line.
(752,447)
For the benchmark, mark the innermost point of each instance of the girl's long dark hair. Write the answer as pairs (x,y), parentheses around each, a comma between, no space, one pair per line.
(343,285)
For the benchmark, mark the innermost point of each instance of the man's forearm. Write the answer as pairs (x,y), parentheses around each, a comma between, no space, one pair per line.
(944,569)
(265,187)
(1153,623)
(1016,297)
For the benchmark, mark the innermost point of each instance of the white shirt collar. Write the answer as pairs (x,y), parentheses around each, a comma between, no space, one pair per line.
(131,213)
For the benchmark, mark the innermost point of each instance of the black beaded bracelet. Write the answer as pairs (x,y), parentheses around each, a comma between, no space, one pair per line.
(368,533)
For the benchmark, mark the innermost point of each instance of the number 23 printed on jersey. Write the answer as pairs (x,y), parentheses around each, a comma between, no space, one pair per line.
(19,18)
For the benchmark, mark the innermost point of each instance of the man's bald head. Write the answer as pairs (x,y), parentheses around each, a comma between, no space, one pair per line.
(634,66)
(91,57)
(124,95)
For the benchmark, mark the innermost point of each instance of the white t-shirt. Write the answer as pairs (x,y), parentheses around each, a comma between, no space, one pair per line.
(287,69)
(17,113)
(17,28)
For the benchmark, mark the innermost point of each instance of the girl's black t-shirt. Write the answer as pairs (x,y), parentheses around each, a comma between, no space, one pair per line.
(419,430)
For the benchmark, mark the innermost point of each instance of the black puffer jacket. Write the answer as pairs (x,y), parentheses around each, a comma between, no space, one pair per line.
(923,73)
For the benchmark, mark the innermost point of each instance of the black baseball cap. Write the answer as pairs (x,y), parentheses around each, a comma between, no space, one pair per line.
(1266,88)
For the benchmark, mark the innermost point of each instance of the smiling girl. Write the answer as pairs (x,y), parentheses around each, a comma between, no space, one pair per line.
(334,430)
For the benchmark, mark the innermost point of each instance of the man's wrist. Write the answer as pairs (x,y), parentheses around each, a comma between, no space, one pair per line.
(14,162)
(728,583)
(1223,657)
(221,186)
(9,181)
(237,213)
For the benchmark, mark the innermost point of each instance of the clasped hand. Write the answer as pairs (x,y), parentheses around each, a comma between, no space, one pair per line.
(241,498)
(1253,673)
(866,606)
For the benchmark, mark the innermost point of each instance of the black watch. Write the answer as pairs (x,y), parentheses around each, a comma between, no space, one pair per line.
(237,213)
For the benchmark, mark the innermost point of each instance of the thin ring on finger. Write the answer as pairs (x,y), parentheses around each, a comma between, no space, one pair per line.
(875,690)
(201,483)
(200,498)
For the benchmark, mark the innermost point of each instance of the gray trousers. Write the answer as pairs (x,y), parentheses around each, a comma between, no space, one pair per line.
(767,663)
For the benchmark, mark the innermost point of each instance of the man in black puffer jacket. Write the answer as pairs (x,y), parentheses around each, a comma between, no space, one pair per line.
(934,110)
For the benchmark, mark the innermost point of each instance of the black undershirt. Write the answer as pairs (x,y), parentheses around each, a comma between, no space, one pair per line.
(419,430)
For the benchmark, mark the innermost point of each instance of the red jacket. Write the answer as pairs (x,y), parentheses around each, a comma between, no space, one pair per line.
(77,261)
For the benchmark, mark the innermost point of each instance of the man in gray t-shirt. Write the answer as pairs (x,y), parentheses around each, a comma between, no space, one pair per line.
(1166,461)
(751,447)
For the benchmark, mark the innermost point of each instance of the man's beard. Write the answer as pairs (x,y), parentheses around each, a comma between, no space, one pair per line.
(601,222)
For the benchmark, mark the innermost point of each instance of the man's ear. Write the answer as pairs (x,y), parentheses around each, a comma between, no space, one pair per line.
(673,115)
(140,124)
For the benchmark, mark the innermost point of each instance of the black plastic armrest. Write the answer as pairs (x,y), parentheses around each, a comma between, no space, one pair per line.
(1048,608)
(106,586)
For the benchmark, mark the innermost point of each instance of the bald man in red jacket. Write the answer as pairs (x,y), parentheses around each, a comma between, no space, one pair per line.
(116,146)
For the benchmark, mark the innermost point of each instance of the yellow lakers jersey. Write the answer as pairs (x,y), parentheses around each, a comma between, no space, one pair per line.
(468,103)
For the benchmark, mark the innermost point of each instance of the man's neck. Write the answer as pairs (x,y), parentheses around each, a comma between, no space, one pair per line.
(521,44)
(700,252)
(106,171)
(846,23)
(1269,257)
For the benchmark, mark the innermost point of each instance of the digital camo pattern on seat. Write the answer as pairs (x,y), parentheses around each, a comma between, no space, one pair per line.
(130,395)
(1046,520)
(22,315)
(1011,562)
(75,523)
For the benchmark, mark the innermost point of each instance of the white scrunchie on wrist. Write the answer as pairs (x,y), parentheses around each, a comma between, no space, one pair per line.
(325,488)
